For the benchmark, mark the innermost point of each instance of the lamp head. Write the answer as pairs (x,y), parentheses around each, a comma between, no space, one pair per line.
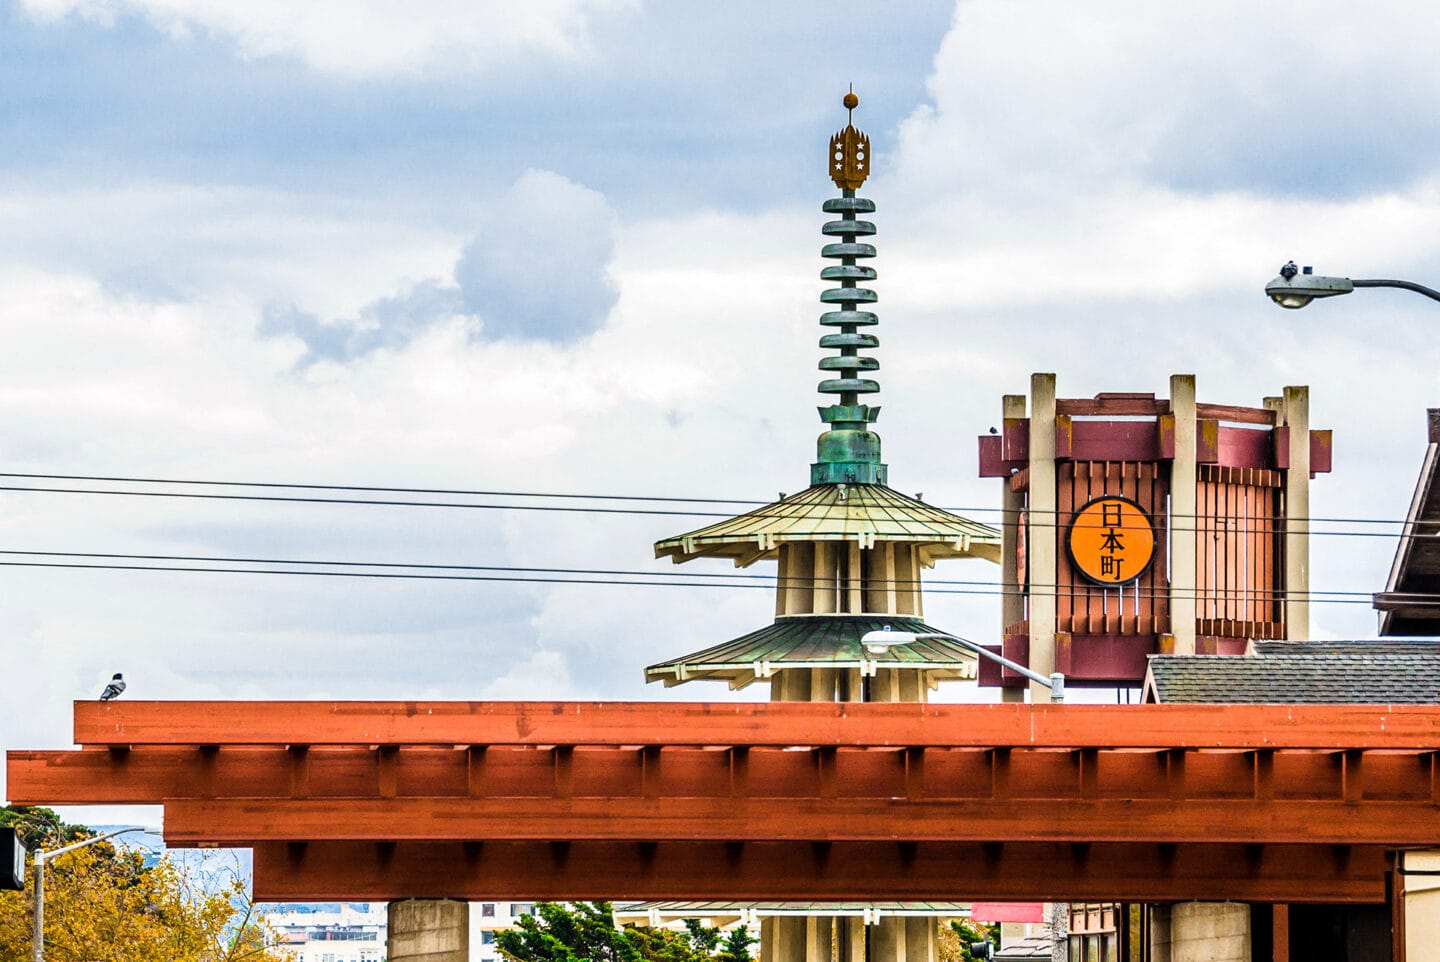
(879,642)
(1296,287)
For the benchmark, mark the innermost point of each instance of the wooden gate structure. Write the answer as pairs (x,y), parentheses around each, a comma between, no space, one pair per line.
(1225,489)
(568,800)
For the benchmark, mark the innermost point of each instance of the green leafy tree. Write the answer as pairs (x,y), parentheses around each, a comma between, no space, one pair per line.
(586,932)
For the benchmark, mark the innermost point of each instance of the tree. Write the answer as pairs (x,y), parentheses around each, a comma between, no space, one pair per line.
(586,932)
(107,904)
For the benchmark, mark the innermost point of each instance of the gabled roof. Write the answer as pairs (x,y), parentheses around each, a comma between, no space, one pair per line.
(1350,673)
(837,512)
(1410,603)
(817,641)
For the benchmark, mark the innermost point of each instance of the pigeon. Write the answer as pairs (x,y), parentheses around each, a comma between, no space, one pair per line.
(113,690)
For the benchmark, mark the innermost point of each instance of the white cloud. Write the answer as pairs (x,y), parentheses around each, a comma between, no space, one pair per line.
(359,38)
(539,265)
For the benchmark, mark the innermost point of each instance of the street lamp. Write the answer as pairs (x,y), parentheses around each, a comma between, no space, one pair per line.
(42,857)
(878,642)
(1298,286)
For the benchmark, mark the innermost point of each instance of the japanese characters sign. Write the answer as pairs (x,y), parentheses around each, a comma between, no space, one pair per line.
(1111,540)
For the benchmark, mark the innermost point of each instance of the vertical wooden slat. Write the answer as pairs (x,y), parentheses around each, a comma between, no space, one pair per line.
(1114,482)
(1232,555)
(1065,580)
(1094,596)
(1202,542)
(1160,582)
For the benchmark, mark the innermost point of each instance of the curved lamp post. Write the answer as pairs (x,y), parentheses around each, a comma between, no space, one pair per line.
(42,857)
(1296,286)
(878,642)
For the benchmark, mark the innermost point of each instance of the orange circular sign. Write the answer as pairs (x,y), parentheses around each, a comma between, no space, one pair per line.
(1112,540)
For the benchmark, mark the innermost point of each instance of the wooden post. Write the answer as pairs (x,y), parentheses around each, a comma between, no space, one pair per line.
(1297,515)
(1012,602)
(1184,518)
(1041,557)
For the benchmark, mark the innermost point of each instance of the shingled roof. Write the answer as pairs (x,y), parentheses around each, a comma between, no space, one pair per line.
(1348,673)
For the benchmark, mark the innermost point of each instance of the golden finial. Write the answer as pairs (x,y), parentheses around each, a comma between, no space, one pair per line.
(849,150)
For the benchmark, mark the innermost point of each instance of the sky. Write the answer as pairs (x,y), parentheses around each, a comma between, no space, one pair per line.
(572,246)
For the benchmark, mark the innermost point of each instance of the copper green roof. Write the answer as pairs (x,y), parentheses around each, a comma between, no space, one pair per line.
(866,513)
(816,641)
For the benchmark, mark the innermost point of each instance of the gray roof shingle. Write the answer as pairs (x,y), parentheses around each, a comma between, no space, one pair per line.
(1338,673)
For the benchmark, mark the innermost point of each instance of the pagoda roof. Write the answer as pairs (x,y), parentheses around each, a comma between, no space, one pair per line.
(837,512)
(817,641)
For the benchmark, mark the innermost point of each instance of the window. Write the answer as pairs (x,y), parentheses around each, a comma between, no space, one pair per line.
(487,937)
(487,910)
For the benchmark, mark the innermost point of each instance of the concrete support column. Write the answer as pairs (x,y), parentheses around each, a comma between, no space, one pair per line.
(887,940)
(1209,932)
(1041,548)
(783,939)
(818,934)
(1159,933)
(849,939)
(428,930)
(1420,905)
(1012,602)
(1184,518)
(1296,411)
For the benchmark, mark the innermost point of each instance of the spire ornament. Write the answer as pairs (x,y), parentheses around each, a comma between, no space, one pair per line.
(849,151)
(849,452)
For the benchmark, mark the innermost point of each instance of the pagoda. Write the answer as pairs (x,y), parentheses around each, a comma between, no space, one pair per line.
(850,550)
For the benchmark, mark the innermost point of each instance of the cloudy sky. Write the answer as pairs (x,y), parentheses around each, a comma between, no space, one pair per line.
(571,246)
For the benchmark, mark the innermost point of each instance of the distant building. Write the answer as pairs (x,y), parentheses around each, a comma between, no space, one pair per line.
(356,932)
(329,932)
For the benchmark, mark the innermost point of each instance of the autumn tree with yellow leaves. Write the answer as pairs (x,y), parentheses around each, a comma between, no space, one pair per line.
(105,904)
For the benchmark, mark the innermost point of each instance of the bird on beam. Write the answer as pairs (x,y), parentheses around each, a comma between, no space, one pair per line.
(113,690)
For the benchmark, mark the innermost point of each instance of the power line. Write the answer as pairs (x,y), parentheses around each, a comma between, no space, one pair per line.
(466,492)
(619,578)
(310,486)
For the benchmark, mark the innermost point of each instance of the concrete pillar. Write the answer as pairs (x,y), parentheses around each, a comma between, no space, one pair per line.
(1210,932)
(1421,905)
(887,940)
(1012,603)
(1297,515)
(428,930)
(783,939)
(818,933)
(921,940)
(849,939)
(1041,549)
(1159,934)
(1183,516)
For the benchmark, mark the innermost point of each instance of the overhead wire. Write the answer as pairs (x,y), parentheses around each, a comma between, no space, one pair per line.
(108,561)
(470,492)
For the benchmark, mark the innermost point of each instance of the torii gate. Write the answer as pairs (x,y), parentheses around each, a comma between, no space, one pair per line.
(572,800)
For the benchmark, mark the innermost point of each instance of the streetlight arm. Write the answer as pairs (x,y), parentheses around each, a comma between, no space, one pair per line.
(48,856)
(1434,295)
(886,638)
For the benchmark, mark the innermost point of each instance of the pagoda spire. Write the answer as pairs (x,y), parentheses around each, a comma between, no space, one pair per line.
(848,452)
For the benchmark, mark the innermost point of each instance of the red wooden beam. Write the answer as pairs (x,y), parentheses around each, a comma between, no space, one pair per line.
(150,775)
(1330,727)
(325,871)
(238,822)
